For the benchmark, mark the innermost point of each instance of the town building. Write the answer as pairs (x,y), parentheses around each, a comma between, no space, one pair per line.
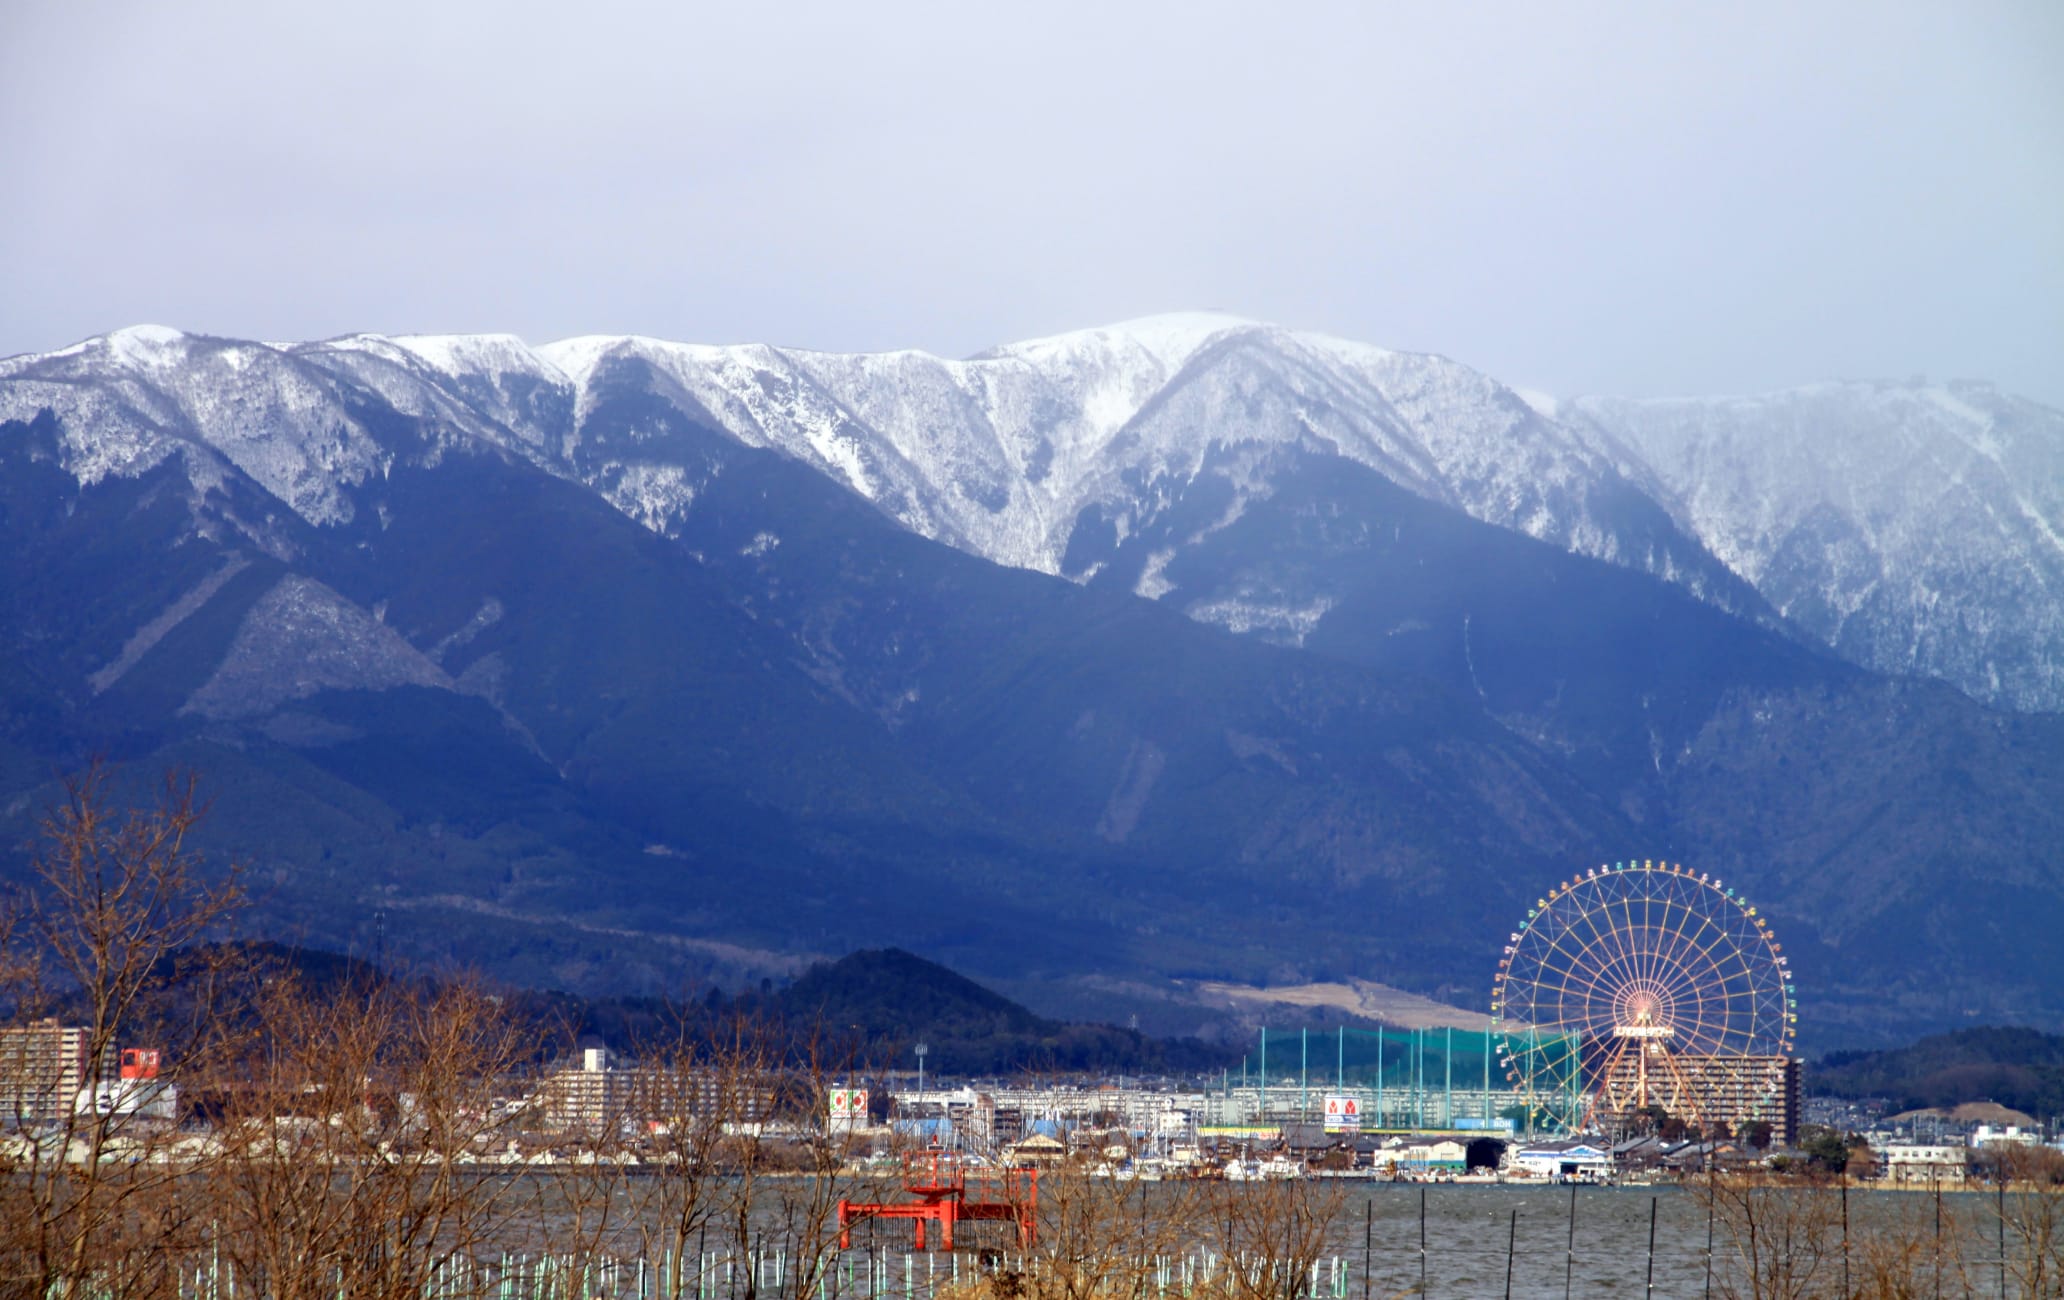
(1573,1159)
(1422,1154)
(2013,1135)
(44,1067)
(953,1117)
(1038,1149)
(1930,1165)
(596,1097)
(1708,1090)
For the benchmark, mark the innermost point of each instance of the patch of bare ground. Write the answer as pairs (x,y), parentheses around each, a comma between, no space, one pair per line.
(1365,998)
(1970,1112)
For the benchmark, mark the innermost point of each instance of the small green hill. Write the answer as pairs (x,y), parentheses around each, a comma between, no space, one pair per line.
(894,999)
(888,992)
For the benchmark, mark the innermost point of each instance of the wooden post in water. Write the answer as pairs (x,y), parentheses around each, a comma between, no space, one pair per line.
(1650,1288)
(1511,1239)
(1936,1179)
(1712,1198)
(1422,1240)
(1368,1237)
(1569,1251)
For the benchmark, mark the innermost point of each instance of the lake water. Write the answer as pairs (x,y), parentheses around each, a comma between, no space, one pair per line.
(1468,1229)
(1478,1241)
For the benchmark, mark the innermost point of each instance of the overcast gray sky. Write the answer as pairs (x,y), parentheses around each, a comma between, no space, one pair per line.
(1636,198)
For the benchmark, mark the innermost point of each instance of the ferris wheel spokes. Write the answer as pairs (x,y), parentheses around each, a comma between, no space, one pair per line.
(1641,984)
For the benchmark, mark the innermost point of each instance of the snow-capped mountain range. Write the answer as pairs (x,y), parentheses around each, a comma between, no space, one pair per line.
(539,648)
(1914,529)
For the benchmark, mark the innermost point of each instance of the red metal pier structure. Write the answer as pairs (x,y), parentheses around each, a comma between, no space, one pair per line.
(945,1191)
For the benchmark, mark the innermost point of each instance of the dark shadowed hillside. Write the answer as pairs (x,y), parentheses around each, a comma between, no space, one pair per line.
(897,1000)
(2016,1067)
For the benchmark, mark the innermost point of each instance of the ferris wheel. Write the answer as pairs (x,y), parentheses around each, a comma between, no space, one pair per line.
(1642,984)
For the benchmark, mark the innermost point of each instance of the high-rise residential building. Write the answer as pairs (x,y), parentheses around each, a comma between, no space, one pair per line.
(43,1067)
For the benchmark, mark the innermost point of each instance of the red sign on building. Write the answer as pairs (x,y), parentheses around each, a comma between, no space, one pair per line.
(139,1062)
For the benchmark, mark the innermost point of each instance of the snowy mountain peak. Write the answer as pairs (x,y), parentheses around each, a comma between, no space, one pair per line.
(484,354)
(578,357)
(1170,339)
(132,345)
(144,340)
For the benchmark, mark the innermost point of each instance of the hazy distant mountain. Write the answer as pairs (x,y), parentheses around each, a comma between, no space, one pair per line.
(615,659)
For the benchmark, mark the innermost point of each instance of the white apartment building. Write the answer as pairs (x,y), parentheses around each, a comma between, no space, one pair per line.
(1930,1165)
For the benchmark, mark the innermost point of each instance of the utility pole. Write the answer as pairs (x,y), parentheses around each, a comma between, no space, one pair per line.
(922,1048)
(1418,1078)
(1487,1077)
(1303,1074)
(1264,1074)
(1379,1076)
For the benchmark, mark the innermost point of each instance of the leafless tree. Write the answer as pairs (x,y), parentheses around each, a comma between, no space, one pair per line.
(354,1140)
(1781,1237)
(1276,1233)
(2028,1211)
(89,1192)
(793,1165)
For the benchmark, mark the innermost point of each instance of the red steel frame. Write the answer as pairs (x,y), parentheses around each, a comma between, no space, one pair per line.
(947,1193)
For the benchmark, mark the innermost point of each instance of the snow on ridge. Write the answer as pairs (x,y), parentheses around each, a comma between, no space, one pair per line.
(578,357)
(130,398)
(1947,394)
(449,356)
(1917,528)
(135,345)
(23,360)
(145,332)
(1171,339)
(999,453)
(488,354)
(146,345)
(1356,352)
